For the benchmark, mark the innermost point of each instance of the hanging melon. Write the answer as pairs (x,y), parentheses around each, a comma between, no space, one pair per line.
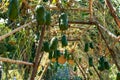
(53,60)
(118,76)
(48,18)
(64,41)
(13,10)
(63,21)
(61,59)
(53,43)
(71,62)
(46,46)
(90,60)
(86,48)
(40,15)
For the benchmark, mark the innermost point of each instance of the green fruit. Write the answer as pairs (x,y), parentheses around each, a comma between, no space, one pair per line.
(66,54)
(91,45)
(53,43)
(48,17)
(101,68)
(75,68)
(118,76)
(63,21)
(13,10)
(107,65)
(50,54)
(86,49)
(45,0)
(40,15)
(90,72)
(57,54)
(46,46)
(64,41)
(90,61)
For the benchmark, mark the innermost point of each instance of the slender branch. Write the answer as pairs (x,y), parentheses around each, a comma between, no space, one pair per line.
(73,9)
(36,62)
(15,61)
(117,38)
(81,22)
(15,30)
(113,12)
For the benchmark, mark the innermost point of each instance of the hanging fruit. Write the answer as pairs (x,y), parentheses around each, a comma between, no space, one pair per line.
(75,68)
(48,18)
(45,0)
(90,60)
(63,21)
(91,45)
(50,54)
(107,65)
(46,46)
(70,59)
(53,43)
(101,61)
(61,59)
(13,10)
(118,76)
(53,60)
(86,49)
(40,15)
(64,41)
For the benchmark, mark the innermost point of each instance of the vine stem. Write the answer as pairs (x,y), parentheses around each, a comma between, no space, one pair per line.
(36,61)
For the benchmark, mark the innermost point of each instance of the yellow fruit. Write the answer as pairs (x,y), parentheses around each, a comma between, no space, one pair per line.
(71,62)
(53,60)
(61,59)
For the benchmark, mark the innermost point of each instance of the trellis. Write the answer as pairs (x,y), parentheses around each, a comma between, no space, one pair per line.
(92,21)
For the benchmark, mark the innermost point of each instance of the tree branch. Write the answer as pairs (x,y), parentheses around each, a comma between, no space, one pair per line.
(15,30)
(15,61)
(113,12)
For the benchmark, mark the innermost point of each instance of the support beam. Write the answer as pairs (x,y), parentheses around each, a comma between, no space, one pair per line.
(38,53)
(15,61)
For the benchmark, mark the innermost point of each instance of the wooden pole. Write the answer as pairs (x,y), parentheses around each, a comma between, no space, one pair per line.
(90,9)
(15,61)
(113,12)
(38,52)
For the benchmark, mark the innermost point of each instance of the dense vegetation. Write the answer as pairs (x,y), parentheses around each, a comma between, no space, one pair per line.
(60,39)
